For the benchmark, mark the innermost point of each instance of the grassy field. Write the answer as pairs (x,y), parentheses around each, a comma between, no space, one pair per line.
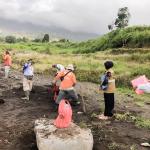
(129,63)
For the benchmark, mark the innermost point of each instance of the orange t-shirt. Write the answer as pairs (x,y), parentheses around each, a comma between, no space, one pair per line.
(7,60)
(69,79)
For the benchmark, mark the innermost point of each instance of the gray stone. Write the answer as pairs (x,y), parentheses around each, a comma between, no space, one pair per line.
(72,138)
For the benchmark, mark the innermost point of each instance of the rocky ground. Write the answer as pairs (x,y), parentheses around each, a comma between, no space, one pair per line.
(17,116)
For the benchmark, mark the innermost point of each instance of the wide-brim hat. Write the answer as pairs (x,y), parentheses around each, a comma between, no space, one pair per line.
(70,67)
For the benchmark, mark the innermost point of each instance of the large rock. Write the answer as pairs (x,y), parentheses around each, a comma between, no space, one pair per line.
(51,138)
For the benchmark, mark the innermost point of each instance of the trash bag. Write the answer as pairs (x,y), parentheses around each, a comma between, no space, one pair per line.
(138,81)
(64,115)
(137,91)
(144,87)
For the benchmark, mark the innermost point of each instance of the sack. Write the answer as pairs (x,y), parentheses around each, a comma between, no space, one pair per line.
(104,82)
(29,77)
(64,115)
(138,81)
(144,87)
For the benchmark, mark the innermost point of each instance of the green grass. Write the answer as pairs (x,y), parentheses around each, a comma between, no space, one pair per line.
(89,66)
(139,121)
(143,123)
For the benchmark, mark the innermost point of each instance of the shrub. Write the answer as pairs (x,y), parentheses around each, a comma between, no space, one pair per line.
(10,39)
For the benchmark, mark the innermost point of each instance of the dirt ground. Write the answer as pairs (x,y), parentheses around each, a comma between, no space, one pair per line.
(17,116)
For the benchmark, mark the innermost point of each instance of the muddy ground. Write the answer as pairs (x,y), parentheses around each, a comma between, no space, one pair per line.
(17,116)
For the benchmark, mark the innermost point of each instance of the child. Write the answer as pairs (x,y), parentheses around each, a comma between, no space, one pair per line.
(108,91)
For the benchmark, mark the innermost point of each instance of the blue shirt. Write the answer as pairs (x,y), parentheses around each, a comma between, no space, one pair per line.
(28,70)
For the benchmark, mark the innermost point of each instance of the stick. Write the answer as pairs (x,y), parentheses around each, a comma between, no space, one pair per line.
(83,102)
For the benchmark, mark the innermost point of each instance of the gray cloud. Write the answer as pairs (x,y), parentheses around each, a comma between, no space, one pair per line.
(91,16)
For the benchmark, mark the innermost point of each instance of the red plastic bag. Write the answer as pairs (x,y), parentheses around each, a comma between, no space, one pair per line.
(64,115)
(53,92)
(56,92)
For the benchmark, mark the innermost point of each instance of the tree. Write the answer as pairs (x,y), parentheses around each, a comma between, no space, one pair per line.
(45,38)
(123,17)
(111,26)
(10,39)
(24,39)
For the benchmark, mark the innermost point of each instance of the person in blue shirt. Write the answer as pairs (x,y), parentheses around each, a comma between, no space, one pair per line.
(28,73)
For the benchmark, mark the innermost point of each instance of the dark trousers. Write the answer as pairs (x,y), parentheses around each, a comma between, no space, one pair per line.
(69,95)
(109,104)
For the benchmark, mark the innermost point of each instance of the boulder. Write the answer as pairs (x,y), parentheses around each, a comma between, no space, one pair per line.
(49,137)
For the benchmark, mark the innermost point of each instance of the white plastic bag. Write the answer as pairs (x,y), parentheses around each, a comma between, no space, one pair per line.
(144,87)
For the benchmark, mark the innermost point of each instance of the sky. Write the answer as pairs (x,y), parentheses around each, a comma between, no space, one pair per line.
(89,16)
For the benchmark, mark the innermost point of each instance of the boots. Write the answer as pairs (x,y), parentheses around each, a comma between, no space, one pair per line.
(27,95)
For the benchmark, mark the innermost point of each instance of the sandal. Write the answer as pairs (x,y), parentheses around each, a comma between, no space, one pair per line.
(102,117)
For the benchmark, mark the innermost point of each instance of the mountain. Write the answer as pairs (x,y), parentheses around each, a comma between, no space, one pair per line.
(9,27)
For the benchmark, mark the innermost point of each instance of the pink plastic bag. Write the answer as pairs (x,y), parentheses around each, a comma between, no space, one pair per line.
(64,115)
(138,81)
(137,91)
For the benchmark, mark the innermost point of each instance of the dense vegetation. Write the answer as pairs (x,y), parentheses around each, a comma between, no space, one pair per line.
(131,37)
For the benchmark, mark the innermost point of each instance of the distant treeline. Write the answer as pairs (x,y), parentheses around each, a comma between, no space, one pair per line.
(44,39)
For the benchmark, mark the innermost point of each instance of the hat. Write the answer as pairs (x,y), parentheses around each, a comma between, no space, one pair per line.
(70,67)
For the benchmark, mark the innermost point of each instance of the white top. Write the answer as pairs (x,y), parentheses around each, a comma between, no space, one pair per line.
(29,70)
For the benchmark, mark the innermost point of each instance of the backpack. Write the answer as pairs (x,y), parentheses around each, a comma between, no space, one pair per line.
(104,82)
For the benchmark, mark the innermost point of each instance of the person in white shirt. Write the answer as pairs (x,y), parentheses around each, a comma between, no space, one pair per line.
(28,73)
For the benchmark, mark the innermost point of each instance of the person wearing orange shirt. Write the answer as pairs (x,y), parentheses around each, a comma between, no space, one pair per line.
(7,63)
(68,81)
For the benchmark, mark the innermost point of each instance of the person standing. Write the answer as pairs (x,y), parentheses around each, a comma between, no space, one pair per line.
(28,73)
(108,87)
(7,63)
(68,81)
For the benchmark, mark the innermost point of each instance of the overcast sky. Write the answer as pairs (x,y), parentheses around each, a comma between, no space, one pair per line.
(91,16)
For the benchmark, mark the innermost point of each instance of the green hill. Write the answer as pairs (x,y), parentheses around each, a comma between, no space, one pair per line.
(133,37)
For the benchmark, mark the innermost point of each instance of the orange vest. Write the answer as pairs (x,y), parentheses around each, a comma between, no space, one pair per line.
(111,83)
